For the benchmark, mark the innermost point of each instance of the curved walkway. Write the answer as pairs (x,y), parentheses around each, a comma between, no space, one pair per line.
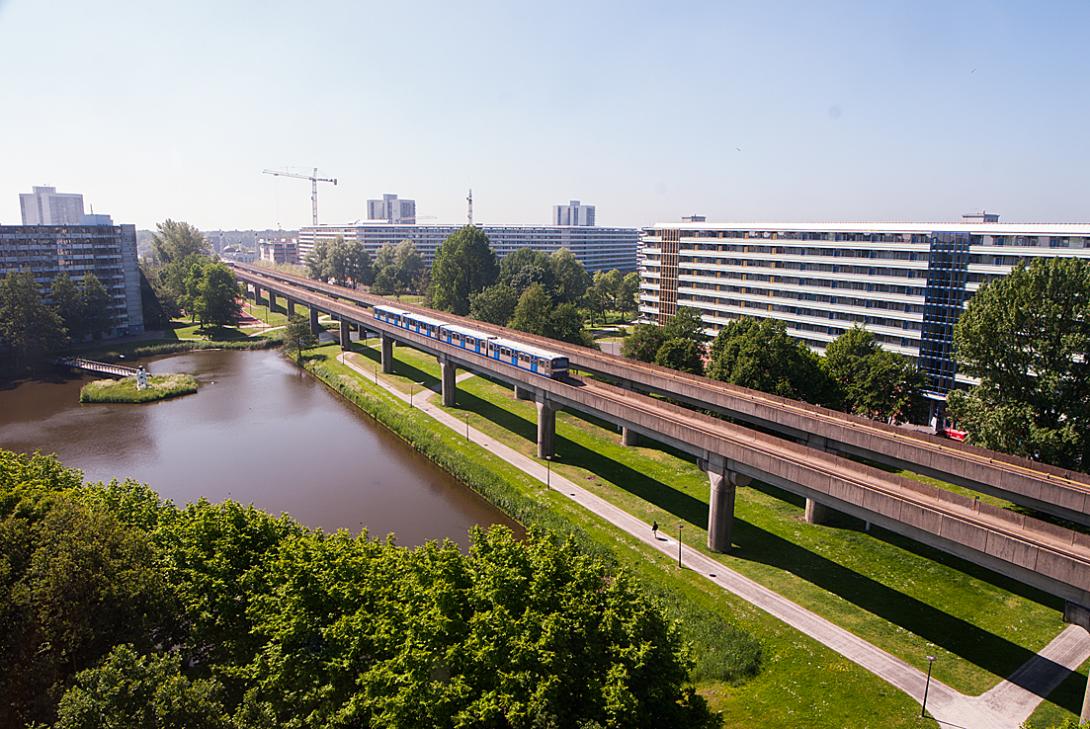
(1005,706)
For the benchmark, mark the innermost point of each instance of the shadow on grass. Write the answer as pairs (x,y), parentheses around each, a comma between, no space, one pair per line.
(990,652)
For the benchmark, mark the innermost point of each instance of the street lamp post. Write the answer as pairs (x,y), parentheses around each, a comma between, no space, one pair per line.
(926,686)
(679,526)
(412,391)
(467,426)
(548,472)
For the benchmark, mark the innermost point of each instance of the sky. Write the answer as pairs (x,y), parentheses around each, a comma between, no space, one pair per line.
(778,111)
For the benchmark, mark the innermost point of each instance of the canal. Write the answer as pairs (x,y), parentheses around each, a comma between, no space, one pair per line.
(259,430)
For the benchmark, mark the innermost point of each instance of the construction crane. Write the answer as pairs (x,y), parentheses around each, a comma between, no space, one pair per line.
(314,180)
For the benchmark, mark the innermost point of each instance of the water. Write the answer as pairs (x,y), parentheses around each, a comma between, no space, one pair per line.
(259,430)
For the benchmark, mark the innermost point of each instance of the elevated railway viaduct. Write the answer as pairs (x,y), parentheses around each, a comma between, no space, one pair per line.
(1048,557)
(1050,490)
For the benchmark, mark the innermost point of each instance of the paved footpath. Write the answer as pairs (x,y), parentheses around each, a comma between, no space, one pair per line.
(1005,706)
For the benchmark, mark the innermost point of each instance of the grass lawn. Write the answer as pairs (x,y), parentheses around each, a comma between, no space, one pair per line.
(901,596)
(801,683)
(160,387)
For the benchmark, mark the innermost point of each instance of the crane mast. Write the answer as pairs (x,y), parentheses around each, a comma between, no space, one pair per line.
(314,180)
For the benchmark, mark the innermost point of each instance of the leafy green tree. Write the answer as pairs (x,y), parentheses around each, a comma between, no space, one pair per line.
(686,324)
(28,327)
(95,302)
(570,278)
(533,311)
(628,293)
(644,342)
(566,324)
(1026,337)
(357,264)
(524,267)
(495,304)
(298,337)
(598,298)
(464,265)
(132,690)
(684,355)
(175,240)
(760,355)
(67,302)
(216,302)
(317,261)
(398,269)
(872,381)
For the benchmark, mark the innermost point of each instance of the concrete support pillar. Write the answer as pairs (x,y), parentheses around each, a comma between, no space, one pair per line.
(628,436)
(817,513)
(346,335)
(450,386)
(315,327)
(546,427)
(291,307)
(1079,615)
(387,353)
(523,393)
(272,301)
(722,483)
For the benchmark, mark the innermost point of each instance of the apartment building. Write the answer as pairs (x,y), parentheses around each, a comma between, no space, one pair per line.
(599,249)
(574,213)
(907,283)
(107,250)
(392,209)
(46,206)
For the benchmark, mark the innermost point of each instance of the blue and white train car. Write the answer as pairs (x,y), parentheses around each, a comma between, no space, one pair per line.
(465,338)
(526,357)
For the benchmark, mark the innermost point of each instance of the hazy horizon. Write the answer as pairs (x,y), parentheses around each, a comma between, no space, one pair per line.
(737,111)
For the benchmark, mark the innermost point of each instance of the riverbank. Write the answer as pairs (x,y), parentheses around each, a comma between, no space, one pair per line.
(798,681)
(160,387)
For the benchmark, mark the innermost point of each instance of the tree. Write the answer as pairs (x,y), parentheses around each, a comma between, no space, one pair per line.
(686,324)
(533,311)
(495,304)
(759,354)
(525,266)
(67,302)
(571,279)
(357,264)
(684,355)
(566,324)
(317,261)
(598,298)
(95,301)
(217,297)
(628,293)
(1026,337)
(398,269)
(871,381)
(132,690)
(643,343)
(298,337)
(464,264)
(28,327)
(174,241)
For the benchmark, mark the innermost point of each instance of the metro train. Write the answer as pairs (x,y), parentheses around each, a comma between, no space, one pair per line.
(516,354)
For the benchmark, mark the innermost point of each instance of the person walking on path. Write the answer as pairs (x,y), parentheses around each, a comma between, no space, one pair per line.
(655,529)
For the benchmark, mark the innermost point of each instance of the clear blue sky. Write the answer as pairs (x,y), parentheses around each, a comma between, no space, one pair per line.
(762,110)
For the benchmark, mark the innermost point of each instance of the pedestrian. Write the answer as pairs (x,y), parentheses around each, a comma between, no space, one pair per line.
(655,529)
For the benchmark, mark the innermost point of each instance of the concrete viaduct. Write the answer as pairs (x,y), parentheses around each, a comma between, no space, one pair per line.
(1045,556)
(1050,490)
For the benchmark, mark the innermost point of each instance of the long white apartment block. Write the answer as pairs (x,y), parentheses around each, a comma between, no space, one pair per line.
(905,282)
(598,248)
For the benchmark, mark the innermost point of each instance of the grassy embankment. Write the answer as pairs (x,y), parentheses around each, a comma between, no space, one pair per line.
(160,387)
(901,596)
(800,682)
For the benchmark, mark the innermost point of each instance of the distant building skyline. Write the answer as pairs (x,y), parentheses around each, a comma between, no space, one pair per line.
(392,209)
(45,206)
(574,213)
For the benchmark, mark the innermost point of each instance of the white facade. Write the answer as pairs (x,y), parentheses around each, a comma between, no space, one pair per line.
(907,283)
(46,206)
(598,249)
(392,209)
(574,213)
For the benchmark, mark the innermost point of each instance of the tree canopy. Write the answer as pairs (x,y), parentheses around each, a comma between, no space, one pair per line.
(28,327)
(525,266)
(346,262)
(398,269)
(298,337)
(872,381)
(175,240)
(464,265)
(495,304)
(684,355)
(1027,337)
(570,278)
(759,354)
(118,609)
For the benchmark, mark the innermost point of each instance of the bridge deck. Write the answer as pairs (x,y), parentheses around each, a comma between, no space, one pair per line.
(1051,558)
(1060,492)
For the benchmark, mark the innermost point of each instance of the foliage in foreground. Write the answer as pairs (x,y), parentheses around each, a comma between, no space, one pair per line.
(160,387)
(116,607)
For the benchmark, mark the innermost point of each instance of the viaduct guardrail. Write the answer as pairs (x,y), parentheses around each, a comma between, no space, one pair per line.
(1051,490)
(90,365)
(1046,556)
